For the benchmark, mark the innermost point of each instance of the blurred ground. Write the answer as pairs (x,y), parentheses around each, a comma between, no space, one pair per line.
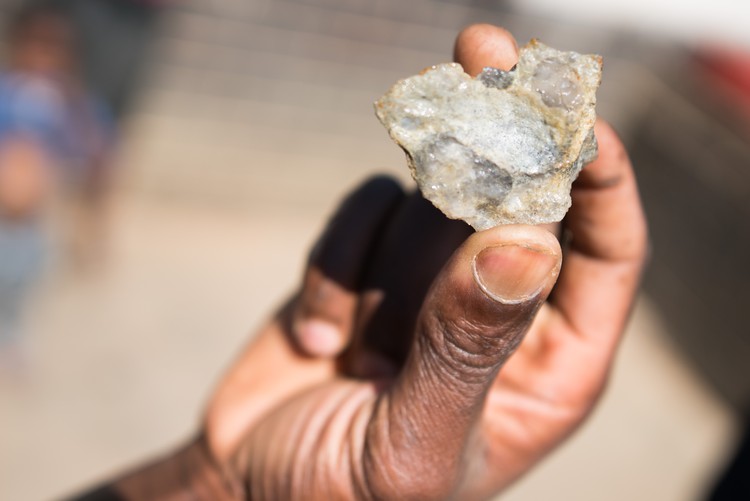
(255,120)
(121,364)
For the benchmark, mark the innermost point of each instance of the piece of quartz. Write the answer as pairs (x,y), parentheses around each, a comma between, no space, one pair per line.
(503,147)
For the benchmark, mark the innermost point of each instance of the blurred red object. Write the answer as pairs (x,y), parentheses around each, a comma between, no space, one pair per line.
(727,71)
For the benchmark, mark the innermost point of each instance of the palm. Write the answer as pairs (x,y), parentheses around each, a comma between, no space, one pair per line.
(540,395)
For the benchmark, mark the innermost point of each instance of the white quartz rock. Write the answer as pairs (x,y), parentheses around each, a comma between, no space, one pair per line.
(503,147)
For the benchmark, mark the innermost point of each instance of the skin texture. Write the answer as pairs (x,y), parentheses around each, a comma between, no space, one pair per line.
(423,361)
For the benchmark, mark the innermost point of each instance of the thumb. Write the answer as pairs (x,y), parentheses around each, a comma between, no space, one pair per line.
(475,315)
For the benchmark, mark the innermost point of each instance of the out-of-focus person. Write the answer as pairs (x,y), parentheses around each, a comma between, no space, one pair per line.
(55,140)
(116,38)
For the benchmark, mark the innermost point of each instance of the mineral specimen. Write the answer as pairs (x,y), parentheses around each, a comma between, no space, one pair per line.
(503,147)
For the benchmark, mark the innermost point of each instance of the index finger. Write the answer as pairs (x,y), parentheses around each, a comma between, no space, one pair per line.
(482,45)
(608,246)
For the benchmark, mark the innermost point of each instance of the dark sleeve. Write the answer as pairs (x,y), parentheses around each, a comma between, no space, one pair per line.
(105,493)
(734,483)
(188,473)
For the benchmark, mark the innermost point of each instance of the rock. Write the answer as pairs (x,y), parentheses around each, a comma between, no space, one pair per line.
(503,147)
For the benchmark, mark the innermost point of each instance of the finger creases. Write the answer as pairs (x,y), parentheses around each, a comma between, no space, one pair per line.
(485,298)
(608,245)
(475,315)
(606,220)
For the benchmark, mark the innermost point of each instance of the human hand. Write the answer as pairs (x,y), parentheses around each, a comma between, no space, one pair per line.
(431,415)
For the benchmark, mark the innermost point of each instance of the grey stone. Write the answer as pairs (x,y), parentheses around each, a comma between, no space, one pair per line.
(503,147)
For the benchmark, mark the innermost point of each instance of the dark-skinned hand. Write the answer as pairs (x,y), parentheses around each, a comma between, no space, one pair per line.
(420,360)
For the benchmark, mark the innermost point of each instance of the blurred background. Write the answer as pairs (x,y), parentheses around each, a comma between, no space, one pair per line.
(179,157)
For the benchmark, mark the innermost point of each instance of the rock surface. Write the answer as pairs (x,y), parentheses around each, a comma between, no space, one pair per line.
(503,147)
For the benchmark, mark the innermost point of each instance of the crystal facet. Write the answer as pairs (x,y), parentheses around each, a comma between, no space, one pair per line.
(503,147)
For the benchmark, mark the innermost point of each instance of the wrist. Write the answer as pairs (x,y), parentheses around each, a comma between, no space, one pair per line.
(190,473)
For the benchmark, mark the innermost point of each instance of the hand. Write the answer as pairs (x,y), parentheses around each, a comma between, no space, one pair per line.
(431,415)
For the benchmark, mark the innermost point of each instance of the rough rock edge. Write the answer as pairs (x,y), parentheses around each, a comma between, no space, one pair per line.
(574,138)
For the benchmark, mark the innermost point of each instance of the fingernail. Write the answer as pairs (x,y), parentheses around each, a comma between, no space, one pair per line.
(514,273)
(319,338)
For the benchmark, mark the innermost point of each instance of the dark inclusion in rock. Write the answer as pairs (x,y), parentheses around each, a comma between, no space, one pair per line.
(501,148)
(496,78)
(459,174)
